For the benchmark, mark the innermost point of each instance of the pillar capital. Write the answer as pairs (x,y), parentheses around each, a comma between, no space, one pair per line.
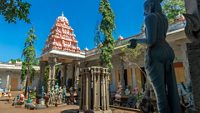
(52,60)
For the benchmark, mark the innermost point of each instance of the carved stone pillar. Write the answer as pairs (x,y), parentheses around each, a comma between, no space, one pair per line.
(76,73)
(51,80)
(52,67)
(192,31)
(65,74)
(94,90)
(62,68)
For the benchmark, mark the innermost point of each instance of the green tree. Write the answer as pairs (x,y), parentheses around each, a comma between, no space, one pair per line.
(132,55)
(13,61)
(107,26)
(29,55)
(36,62)
(173,9)
(12,10)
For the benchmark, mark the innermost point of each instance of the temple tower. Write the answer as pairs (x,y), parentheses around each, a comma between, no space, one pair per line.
(61,37)
(61,48)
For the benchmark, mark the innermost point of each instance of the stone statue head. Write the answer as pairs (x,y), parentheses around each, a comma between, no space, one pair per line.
(152,6)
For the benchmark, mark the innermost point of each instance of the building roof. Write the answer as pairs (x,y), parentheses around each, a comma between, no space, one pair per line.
(179,26)
(15,67)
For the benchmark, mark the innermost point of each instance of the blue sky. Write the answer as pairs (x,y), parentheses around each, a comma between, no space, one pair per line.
(82,15)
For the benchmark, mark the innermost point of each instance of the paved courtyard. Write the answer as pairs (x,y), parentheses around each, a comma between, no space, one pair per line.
(6,107)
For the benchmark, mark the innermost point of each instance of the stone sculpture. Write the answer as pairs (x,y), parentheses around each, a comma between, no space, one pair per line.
(60,96)
(42,104)
(192,31)
(64,93)
(51,96)
(18,100)
(192,17)
(159,58)
(127,91)
(29,98)
(119,91)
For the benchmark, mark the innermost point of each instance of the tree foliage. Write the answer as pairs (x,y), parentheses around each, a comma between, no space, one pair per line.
(12,10)
(29,56)
(23,72)
(173,9)
(132,55)
(13,61)
(107,26)
(29,49)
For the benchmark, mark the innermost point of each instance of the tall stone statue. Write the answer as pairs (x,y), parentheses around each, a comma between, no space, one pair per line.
(192,31)
(159,58)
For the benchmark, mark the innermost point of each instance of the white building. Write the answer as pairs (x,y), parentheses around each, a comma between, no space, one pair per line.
(10,75)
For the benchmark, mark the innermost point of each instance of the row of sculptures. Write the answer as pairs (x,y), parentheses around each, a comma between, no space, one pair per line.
(57,95)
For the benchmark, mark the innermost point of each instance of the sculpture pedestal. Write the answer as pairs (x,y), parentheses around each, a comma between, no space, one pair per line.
(41,104)
(94,82)
(193,54)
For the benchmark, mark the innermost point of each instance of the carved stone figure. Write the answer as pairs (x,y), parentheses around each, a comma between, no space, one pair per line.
(60,96)
(119,92)
(192,30)
(159,58)
(64,93)
(51,96)
(192,17)
(127,91)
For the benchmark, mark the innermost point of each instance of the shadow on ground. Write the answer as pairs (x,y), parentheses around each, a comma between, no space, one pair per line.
(70,111)
(3,99)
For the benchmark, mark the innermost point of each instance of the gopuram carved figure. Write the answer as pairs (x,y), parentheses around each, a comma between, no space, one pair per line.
(159,58)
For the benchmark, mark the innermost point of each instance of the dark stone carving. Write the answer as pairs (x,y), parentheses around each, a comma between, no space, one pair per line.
(192,31)
(192,17)
(159,58)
